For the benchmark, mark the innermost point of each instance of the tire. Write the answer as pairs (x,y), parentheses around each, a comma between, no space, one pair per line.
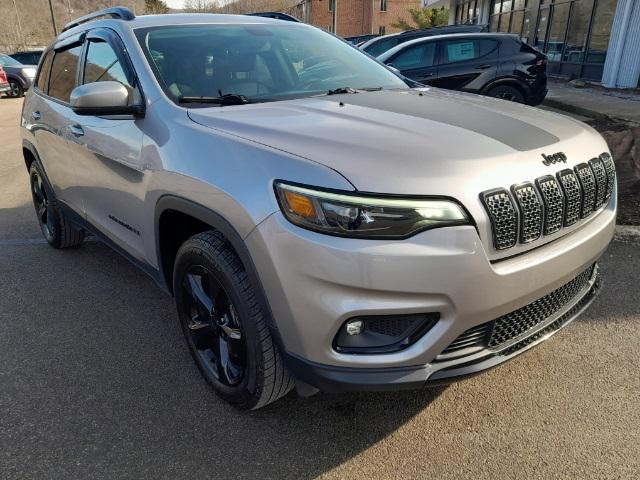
(16,90)
(55,227)
(507,92)
(225,326)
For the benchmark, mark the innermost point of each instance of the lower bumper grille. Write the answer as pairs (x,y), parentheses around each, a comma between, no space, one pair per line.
(498,335)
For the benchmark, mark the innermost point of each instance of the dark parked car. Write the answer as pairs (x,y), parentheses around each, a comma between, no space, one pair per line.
(494,64)
(377,46)
(359,39)
(20,76)
(30,57)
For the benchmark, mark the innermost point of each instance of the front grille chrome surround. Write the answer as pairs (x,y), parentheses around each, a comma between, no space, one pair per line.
(600,174)
(553,199)
(504,217)
(531,210)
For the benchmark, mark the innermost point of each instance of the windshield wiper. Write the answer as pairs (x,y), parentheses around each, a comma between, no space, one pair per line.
(343,90)
(226,99)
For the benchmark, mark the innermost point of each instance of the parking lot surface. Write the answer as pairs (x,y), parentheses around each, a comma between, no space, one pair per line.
(96,382)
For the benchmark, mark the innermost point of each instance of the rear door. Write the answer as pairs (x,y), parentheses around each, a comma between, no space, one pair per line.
(417,62)
(106,150)
(50,115)
(467,63)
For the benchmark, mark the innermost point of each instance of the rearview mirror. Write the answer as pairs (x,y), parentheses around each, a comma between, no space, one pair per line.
(102,98)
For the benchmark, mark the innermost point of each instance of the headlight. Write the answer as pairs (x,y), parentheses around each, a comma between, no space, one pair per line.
(363,216)
(29,72)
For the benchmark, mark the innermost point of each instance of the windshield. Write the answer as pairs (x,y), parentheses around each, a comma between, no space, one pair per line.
(7,61)
(261,62)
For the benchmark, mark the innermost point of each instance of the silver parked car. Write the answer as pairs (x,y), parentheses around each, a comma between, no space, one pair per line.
(319,222)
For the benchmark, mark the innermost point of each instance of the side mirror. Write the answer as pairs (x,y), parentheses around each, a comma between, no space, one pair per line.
(102,98)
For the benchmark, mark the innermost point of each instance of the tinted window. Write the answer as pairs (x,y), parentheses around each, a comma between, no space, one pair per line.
(7,61)
(102,64)
(463,50)
(381,46)
(43,75)
(62,78)
(416,56)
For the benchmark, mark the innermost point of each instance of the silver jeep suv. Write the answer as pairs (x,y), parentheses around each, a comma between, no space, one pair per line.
(321,222)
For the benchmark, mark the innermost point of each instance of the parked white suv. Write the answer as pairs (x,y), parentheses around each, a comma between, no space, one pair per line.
(319,222)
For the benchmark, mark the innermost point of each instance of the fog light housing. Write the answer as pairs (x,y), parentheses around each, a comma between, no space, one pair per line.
(382,333)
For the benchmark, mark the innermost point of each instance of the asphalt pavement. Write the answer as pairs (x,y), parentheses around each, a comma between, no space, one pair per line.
(96,382)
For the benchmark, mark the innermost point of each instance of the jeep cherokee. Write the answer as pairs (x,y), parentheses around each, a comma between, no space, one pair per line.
(320,223)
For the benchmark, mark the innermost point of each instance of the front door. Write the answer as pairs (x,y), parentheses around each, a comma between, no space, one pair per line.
(107,150)
(417,62)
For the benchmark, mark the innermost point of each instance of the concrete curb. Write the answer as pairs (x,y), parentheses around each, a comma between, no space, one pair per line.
(585,112)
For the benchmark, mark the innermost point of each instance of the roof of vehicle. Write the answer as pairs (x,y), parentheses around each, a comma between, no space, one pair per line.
(447,36)
(427,32)
(143,21)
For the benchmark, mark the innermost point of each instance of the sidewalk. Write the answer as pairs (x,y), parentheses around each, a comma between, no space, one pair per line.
(595,102)
(616,115)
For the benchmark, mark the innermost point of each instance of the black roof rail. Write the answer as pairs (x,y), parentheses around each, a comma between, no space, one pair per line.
(122,13)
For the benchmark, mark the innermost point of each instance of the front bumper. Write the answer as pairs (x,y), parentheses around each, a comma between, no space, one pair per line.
(315,282)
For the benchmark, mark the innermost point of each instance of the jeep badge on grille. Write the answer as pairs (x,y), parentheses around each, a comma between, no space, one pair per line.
(554,158)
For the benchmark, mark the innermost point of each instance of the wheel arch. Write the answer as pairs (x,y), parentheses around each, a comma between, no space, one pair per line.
(198,218)
(508,82)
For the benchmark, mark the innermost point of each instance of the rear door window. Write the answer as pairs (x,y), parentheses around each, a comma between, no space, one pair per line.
(62,78)
(43,75)
(464,50)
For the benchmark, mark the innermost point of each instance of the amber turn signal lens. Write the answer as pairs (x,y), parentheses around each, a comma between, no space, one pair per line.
(300,204)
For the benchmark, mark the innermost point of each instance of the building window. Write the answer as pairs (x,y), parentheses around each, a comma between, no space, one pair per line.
(383,5)
(382,30)
(511,16)
(332,5)
(467,11)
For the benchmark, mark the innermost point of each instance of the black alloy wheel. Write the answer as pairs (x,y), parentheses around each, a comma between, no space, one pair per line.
(213,327)
(46,217)
(16,90)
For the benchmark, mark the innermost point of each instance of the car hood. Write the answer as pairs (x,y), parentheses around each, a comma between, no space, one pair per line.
(421,142)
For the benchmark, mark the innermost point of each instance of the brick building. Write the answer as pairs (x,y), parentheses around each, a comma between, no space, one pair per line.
(358,17)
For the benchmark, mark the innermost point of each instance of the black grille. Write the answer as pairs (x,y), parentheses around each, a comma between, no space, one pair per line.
(391,326)
(531,210)
(610,168)
(498,332)
(553,204)
(597,167)
(504,218)
(530,207)
(588,184)
(518,322)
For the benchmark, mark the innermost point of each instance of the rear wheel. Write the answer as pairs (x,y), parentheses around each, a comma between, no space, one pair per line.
(224,324)
(16,90)
(507,92)
(55,227)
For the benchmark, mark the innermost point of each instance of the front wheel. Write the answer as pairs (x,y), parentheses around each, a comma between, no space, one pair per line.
(225,325)
(506,92)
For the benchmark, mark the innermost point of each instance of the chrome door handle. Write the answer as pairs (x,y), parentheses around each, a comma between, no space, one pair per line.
(76,130)
(36,115)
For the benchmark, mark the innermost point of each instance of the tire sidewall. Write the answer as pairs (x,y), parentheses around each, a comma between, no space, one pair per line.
(53,236)
(520,98)
(247,391)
